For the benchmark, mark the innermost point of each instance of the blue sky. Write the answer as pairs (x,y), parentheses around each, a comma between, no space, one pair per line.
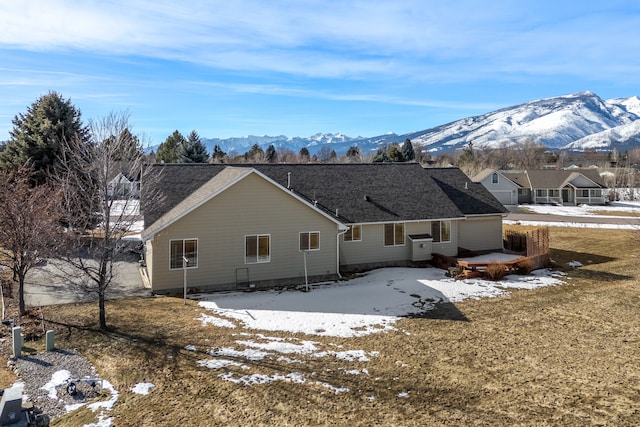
(252,67)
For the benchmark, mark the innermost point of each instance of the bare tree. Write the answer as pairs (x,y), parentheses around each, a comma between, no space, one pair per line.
(100,240)
(29,227)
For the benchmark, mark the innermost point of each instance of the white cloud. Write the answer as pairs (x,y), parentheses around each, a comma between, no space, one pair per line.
(333,38)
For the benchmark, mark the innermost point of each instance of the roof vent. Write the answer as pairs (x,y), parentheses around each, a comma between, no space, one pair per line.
(366,198)
(466,185)
(336,212)
(289,180)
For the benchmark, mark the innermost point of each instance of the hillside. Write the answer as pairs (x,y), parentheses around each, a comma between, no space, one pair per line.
(579,121)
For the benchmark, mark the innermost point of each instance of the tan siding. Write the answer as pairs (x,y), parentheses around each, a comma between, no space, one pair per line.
(251,206)
(481,233)
(448,248)
(148,257)
(372,249)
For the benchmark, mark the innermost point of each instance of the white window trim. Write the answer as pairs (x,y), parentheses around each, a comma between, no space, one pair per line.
(197,253)
(404,235)
(309,233)
(258,260)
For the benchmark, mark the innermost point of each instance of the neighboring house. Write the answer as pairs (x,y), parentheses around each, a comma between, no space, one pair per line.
(566,187)
(228,227)
(124,186)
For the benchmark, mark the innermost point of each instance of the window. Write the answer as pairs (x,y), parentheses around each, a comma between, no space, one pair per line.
(310,241)
(596,193)
(541,192)
(394,234)
(554,193)
(353,234)
(257,248)
(181,249)
(441,231)
(494,178)
(583,193)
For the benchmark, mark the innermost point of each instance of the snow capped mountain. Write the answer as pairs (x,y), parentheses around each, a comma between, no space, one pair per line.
(577,121)
(555,122)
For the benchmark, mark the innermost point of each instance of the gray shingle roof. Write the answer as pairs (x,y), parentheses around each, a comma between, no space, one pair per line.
(359,193)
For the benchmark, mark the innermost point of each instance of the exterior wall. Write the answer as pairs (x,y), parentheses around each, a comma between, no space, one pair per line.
(250,207)
(481,233)
(504,190)
(371,251)
(148,259)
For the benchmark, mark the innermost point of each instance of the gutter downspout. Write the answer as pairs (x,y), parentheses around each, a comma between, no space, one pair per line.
(338,251)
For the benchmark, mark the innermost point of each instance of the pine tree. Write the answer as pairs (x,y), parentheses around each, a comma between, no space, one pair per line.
(381,156)
(407,151)
(218,156)
(255,154)
(304,155)
(192,150)
(271,156)
(394,153)
(353,154)
(38,135)
(168,150)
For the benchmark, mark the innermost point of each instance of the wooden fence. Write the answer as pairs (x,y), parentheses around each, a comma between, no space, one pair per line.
(533,243)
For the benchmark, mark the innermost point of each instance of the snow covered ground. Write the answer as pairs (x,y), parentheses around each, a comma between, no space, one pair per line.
(586,211)
(372,303)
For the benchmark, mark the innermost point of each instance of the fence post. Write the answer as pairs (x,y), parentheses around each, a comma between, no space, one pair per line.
(17,341)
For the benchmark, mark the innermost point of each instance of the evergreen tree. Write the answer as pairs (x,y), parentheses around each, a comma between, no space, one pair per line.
(38,135)
(381,156)
(353,154)
(126,147)
(271,156)
(192,150)
(394,153)
(168,150)
(407,151)
(218,156)
(255,154)
(304,155)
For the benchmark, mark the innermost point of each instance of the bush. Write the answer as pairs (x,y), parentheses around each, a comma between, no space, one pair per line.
(495,271)
(524,267)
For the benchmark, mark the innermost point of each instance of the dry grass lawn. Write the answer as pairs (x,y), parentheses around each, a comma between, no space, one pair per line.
(564,355)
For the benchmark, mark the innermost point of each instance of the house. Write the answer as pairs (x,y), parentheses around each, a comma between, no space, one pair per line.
(228,227)
(124,186)
(567,187)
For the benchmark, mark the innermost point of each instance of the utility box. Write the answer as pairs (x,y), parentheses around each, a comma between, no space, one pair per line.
(421,247)
(11,414)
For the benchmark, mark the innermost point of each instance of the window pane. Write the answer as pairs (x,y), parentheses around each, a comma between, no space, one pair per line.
(304,241)
(445,231)
(435,231)
(314,241)
(357,232)
(263,248)
(176,254)
(251,249)
(191,252)
(399,234)
(388,234)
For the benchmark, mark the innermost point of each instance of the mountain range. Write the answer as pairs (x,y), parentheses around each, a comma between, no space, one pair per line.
(578,122)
